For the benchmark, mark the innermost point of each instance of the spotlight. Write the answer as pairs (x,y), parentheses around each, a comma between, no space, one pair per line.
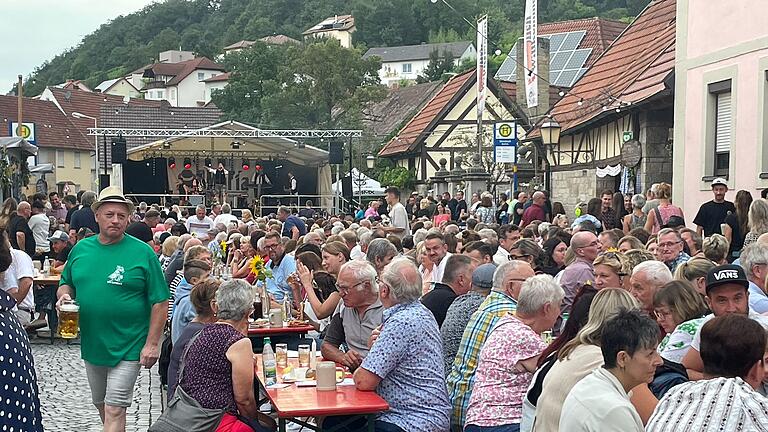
(208,162)
(171,163)
(235,145)
(246,166)
(187,163)
(258,168)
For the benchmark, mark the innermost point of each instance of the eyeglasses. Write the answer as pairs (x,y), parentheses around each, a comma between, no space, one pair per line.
(346,290)
(594,243)
(661,314)
(518,257)
(517,280)
(272,247)
(667,245)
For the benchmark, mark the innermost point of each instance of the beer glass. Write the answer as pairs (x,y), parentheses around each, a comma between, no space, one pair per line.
(69,317)
(303,355)
(281,355)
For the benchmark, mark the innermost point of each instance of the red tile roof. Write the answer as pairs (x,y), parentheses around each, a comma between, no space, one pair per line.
(600,33)
(53,129)
(181,70)
(632,70)
(220,77)
(406,139)
(90,104)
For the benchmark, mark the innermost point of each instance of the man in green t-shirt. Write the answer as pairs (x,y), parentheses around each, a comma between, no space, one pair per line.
(123,298)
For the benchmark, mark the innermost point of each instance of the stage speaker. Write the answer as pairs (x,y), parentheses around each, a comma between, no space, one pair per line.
(346,187)
(336,153)
(119,150)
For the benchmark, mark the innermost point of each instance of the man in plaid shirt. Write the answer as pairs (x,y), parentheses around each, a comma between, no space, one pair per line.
(507,281)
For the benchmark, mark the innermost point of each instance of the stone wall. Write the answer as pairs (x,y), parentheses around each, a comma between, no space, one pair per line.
(570,187)
(656,164)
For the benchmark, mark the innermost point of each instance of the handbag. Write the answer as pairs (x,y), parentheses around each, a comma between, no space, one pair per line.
(183,413)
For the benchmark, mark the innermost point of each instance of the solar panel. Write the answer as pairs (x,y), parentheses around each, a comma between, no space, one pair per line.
(566,77)
(572,40)
(558,61)
(555,41)
(578,58)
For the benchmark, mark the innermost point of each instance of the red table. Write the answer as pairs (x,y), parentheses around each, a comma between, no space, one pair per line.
(292,402)
(273,331)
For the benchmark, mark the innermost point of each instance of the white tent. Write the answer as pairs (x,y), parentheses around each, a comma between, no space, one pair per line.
(361,185)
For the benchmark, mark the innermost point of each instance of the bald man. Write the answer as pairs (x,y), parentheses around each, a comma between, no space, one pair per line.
(536,211)
(586,247)
(19,231)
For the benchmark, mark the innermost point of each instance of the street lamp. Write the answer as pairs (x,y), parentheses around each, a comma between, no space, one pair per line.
(370,161)
(550,133)
(79,115)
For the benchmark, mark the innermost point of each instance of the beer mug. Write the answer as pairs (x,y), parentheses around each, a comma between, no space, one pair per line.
(328,375)
(276,317)
(69,317)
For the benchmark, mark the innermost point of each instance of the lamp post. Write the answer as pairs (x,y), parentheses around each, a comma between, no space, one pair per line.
(550,137)
(370,161)
(79,115)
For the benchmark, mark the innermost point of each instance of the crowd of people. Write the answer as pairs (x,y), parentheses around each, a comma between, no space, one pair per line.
(495,314)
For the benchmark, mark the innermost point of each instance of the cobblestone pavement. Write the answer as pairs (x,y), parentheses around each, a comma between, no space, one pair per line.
(65,397)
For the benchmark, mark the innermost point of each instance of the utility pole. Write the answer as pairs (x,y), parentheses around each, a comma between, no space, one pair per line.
(20,94)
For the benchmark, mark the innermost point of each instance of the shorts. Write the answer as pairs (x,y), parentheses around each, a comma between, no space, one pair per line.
(113,386)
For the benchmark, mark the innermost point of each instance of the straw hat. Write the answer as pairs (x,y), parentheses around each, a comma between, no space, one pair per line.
(112,194)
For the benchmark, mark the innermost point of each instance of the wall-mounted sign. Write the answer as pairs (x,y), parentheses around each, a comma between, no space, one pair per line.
(631,153)
(627,136)
(26,131)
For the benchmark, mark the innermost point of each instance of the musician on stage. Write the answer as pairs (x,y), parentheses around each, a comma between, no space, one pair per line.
(219,180)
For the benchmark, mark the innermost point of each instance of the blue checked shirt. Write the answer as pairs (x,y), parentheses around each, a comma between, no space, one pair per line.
(462,375)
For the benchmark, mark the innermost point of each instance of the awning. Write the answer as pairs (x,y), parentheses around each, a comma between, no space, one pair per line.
(214,147)
(361,184)
(19,144)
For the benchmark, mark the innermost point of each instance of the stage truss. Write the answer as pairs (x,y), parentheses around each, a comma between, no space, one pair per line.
(228,133)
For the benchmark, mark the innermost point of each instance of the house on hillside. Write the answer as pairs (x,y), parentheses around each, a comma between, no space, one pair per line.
(118,87)
(182,84)
(338,27)
(616,120)
(72,84)
(721,101)
(446,126)
(64,155)
(216,82)
(105,110)
(574,46)
(278,39)
(408,62)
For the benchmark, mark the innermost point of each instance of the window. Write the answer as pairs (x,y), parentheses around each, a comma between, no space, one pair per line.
(723,126)
(173,93)
(406,68)
(59,158)
(200,76)
(77,160)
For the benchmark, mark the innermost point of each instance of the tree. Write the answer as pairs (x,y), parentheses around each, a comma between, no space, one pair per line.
(319,77)
(253,77)
(437,67)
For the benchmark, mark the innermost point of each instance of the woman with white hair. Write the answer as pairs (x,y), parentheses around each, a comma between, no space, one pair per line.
(637,218)
(405,362)
(217,370)
(509,356)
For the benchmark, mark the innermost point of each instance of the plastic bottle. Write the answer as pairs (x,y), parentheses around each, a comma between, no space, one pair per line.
(286,309)
(565,319)
(269,362)
(47,266)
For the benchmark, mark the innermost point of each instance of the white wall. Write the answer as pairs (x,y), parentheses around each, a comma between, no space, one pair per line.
(210,87)
(392,72)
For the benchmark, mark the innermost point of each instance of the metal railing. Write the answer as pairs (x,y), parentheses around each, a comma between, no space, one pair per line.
(324,204)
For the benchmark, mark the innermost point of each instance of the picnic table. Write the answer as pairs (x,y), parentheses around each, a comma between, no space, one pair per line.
(49,283)
(293,402)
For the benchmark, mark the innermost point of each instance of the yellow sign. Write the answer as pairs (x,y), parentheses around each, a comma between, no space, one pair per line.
(505,130)
(23,131)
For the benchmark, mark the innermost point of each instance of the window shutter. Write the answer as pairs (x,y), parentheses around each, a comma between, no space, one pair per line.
(723,123)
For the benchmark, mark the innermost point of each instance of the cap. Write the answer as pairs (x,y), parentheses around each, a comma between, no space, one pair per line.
(674,222)
(726,274)
(719,181)
(482,277)
(59,235)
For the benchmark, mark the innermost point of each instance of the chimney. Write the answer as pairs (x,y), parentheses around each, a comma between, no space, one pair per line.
(543,66)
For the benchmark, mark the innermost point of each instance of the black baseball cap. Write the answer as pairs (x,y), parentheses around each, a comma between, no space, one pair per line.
(726,274)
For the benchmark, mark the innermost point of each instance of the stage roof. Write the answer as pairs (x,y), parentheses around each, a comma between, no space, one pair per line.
(221,146)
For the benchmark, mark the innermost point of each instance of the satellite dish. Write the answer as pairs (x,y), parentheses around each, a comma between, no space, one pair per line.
(126,99)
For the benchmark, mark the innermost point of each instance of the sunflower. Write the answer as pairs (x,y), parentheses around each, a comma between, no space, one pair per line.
(259,269)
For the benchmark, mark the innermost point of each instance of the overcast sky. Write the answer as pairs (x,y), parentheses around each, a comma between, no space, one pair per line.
(34,31)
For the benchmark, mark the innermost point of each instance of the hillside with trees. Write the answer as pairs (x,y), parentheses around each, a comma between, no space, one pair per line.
(205,26)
